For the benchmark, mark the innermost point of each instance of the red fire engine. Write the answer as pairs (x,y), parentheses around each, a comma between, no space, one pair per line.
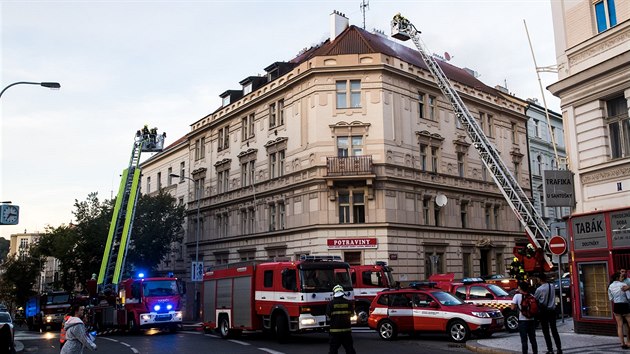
(367,281)
(140,303)
(281,296)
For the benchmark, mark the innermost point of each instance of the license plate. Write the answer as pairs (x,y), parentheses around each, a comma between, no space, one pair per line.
(162,317)
(499,322)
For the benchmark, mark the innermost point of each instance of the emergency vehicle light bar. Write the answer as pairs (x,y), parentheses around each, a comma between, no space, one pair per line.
(320,258)
(422,284)
(472,280)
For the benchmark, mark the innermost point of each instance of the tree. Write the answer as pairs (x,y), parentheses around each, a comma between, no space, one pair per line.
(18,277)
(157,225)
(4,248)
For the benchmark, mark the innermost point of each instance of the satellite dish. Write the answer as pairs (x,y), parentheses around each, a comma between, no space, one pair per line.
(441,200)
(447,56)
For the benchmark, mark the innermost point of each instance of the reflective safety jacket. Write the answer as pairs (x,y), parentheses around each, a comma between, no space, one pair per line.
(339,311)
(62,335)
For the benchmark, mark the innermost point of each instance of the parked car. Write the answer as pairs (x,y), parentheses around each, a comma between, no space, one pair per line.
(6,320)
(506,283)
(424,309)
(479,292)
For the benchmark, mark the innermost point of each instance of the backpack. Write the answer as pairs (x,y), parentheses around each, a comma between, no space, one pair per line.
(529,306)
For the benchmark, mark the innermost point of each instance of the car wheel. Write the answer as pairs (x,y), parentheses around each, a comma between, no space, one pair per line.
(511,322)
(362,315)
(224,327)
(458,331)
(281,328)
(387,330)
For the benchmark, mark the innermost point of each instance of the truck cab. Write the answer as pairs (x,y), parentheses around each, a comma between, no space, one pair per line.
(367,281)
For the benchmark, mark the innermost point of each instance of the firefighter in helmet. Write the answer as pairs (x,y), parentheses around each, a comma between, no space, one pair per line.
(339,311)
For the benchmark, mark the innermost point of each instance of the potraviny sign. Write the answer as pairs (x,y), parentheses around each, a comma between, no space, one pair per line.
(559,189)
(346,243)
(589,232)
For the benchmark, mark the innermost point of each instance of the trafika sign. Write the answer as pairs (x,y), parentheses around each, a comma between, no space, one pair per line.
(352,243)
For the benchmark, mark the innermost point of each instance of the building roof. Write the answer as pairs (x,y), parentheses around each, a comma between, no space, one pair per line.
(355,40)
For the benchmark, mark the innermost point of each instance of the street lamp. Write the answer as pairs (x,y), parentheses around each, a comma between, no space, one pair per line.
(51,85)
(197,196)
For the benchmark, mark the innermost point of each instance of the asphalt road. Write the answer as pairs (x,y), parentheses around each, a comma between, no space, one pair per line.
(195,342)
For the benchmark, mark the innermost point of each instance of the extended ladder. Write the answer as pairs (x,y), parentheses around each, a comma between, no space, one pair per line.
(112,264)
(535,226)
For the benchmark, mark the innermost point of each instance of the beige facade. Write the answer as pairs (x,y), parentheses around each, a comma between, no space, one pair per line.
(19,245)
(594,87)
(355,142)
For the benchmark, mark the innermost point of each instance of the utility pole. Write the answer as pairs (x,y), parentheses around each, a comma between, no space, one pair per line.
(363,6)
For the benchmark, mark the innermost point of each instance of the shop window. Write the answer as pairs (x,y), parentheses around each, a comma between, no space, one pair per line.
(593,288)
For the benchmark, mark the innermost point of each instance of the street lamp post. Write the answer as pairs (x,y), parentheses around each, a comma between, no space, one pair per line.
(197,196)
(51,85)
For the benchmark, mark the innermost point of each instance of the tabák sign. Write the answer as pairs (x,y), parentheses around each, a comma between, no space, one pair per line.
(344,243)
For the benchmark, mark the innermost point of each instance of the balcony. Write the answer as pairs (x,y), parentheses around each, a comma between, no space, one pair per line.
(349,166)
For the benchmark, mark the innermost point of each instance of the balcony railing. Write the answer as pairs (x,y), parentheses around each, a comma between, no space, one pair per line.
(349,165)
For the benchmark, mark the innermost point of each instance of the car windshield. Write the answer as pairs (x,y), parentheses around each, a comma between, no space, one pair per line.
(159,288)
(390,279)
(323,280)
(497,290)
(5,318)
(57,299)
(446,299)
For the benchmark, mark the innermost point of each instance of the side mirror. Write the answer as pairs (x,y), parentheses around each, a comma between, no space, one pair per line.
(489,296)
(433,305)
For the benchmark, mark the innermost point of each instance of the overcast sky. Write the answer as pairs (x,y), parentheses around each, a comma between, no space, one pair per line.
(123,64)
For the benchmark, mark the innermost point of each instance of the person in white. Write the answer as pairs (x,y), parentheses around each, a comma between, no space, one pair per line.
(621,307)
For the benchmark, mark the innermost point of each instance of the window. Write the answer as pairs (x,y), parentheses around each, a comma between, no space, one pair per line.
(243,216)
(276,252)
(247,89)
(247,255)
(200,148)
(351,207)
(250,122)
(182,171)
(224,138)
(281,216)
(280,163)
(517,167)
(169,178)
(226,101)
(272,165)
(244,174)
(223,180)
(500,263)
(539,165)
(432,104)
(480,292)
(536,129)
(244,127)
(349,146)
(222,258)
(199,184)
(272,217)
(488,218)
(148,184)
(280,105)
(593,290)
(434,159)
(423,157)
(272,115)
(268,278)
(463,212)
(467,268)
(618,127)
(348,94)
(420,104)
(484,172)
(180,201)
(490,126)
(605,14)
(426,211)
(437,213)
(252,171)
(461,290)
(482,121)
(159,181)
(496,217)
(434,264)
(460,164)
(251,212)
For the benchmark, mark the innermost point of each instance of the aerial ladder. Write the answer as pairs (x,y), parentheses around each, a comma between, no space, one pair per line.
(112,264)
(537,231)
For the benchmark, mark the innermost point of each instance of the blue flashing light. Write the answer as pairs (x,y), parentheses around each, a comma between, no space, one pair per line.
(140,275)
(157,307)
(169,307)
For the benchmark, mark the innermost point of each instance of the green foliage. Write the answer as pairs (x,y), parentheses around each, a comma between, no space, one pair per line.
(4,248)
(18,277)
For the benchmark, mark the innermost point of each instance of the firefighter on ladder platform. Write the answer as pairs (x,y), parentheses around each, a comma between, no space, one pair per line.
(339,311)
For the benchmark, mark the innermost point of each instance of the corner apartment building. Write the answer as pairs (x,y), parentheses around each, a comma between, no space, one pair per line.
(19,245)
(593,56)
(351,149)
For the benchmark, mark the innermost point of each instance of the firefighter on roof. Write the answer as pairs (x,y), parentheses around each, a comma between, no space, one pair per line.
(339,310)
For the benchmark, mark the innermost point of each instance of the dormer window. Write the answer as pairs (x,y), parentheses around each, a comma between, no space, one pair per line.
(226,101)
(247,89)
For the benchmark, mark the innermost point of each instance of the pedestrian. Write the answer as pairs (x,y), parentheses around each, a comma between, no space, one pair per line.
(526,322)
(621,307)
(76,337)
(339,311)
(546,297)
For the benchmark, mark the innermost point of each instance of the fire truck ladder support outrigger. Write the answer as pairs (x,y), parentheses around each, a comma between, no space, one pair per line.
(535,226)
(115,254)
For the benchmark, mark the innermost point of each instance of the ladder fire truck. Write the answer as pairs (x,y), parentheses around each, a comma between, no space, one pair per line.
(537,231)
(132,303)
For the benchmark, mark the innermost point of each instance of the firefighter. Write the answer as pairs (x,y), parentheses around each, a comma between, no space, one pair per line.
(339,311)
(62,335)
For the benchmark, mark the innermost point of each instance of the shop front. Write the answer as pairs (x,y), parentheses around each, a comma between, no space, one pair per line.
(600,245)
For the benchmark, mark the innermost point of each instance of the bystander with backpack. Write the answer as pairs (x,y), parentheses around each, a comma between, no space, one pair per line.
(528,310)
(546,296)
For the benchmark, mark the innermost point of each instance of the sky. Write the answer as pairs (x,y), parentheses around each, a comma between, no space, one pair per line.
(123,64)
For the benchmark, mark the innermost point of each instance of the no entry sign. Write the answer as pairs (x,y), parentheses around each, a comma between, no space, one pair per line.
(558,245)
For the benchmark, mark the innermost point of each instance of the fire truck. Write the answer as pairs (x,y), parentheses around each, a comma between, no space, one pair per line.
(536,229)
(48,309)
(281,297)
(367,281)
(141,302)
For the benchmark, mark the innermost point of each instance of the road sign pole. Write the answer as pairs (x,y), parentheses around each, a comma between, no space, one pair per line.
(560,287)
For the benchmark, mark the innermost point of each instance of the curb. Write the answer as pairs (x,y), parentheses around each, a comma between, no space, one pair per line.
(19,347)
(474,346)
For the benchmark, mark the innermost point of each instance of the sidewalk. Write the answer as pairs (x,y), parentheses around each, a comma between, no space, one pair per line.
(505,342)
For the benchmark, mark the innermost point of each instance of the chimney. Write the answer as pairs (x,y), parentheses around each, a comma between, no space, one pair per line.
(338,23)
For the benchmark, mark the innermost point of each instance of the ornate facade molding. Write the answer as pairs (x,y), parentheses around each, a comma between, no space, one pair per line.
(599,47)
(605,175)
